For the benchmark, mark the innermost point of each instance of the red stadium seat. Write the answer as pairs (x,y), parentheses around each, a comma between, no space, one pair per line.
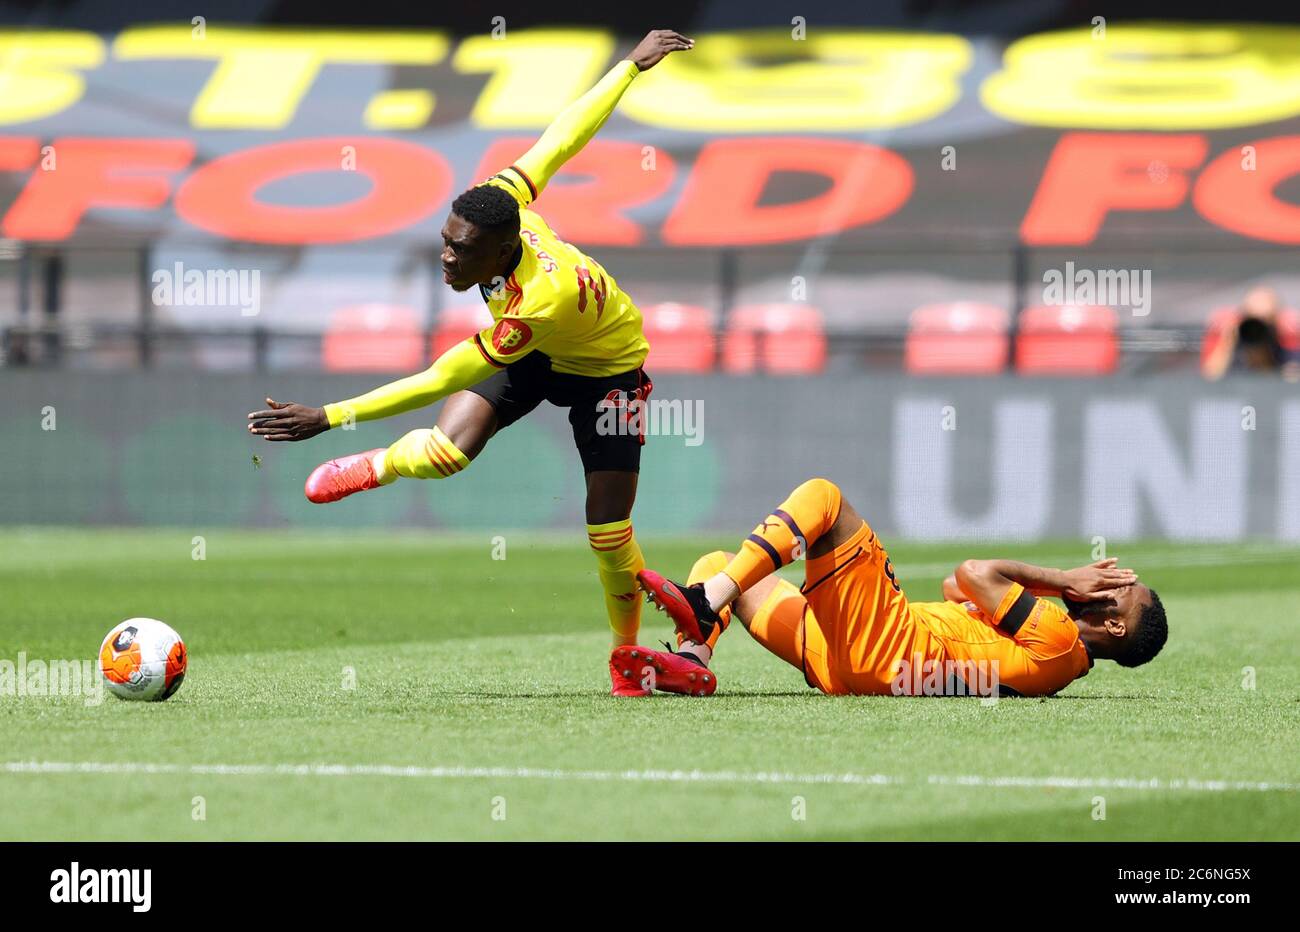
(457,324)
(373,338)
(681,338)
(786,339)
(960,338)
(1067,340)
(1223,319)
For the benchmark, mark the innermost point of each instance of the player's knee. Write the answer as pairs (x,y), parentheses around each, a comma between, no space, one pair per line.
(822,491)
(468,439)
(839,521)
(468,422)
(426,454)
(708,566)
(819,501)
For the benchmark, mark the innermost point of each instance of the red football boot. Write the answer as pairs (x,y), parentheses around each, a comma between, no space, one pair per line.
(685,605)
(339,478)
(621,685)
(646,670)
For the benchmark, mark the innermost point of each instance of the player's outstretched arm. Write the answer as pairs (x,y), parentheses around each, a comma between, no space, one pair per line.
(460,367)
(987,582)
(582,119)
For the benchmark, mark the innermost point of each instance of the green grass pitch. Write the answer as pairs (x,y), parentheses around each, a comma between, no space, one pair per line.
(487,678)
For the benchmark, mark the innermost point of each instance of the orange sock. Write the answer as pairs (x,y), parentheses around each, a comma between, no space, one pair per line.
(787,533)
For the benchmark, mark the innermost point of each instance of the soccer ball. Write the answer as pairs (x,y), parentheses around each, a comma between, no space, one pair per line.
(142,658)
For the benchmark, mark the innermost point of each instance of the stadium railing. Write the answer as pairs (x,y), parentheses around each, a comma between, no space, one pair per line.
(865,323)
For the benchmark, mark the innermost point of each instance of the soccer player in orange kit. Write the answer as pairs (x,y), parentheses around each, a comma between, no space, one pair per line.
(851,630)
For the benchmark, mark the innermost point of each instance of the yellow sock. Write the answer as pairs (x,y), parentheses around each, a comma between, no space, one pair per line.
(786,533)
(425,454)
(619,560)
(706,567)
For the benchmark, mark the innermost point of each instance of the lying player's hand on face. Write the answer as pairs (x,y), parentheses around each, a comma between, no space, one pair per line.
(657,44)
(284,420)
(1101,580)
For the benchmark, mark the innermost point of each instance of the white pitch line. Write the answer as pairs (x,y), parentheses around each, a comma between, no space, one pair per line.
(637,776)
(1117,783)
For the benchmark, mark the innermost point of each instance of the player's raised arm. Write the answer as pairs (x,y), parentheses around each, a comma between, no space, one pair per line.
(583,118)
(463,365)
(997,586)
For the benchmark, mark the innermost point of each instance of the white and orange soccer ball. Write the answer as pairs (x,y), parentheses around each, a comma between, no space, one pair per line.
(142,658)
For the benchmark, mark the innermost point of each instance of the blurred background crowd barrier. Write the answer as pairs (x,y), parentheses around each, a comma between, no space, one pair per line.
(1007,459)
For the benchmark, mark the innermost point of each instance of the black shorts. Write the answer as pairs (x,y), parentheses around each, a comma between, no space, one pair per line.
(604,431)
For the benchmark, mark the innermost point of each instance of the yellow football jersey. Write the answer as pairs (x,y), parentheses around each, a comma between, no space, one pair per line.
(559,301)
(556,300)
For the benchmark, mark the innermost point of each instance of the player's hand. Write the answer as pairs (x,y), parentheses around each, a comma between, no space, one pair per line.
(1098,581)
(284,420)
(651,50)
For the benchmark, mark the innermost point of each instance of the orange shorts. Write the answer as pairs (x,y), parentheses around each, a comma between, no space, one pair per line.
(849,625)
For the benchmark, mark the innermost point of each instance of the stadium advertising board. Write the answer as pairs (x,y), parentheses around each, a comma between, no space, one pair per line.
(294,136)
(994,459)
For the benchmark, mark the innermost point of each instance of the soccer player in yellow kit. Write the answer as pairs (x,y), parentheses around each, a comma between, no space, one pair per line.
(851,630)
(562,331)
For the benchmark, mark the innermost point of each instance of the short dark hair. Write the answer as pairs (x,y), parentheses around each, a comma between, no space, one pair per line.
(1151,634)
(489,208)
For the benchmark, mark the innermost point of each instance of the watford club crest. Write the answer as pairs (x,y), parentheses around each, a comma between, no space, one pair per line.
(510,336)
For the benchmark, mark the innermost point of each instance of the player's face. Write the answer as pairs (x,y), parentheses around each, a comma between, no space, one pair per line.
(1105,625)
(1130,603)
(469,255)
(1126,606)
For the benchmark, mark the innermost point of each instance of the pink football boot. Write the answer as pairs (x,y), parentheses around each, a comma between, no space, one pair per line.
(339,478)
(639,671)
